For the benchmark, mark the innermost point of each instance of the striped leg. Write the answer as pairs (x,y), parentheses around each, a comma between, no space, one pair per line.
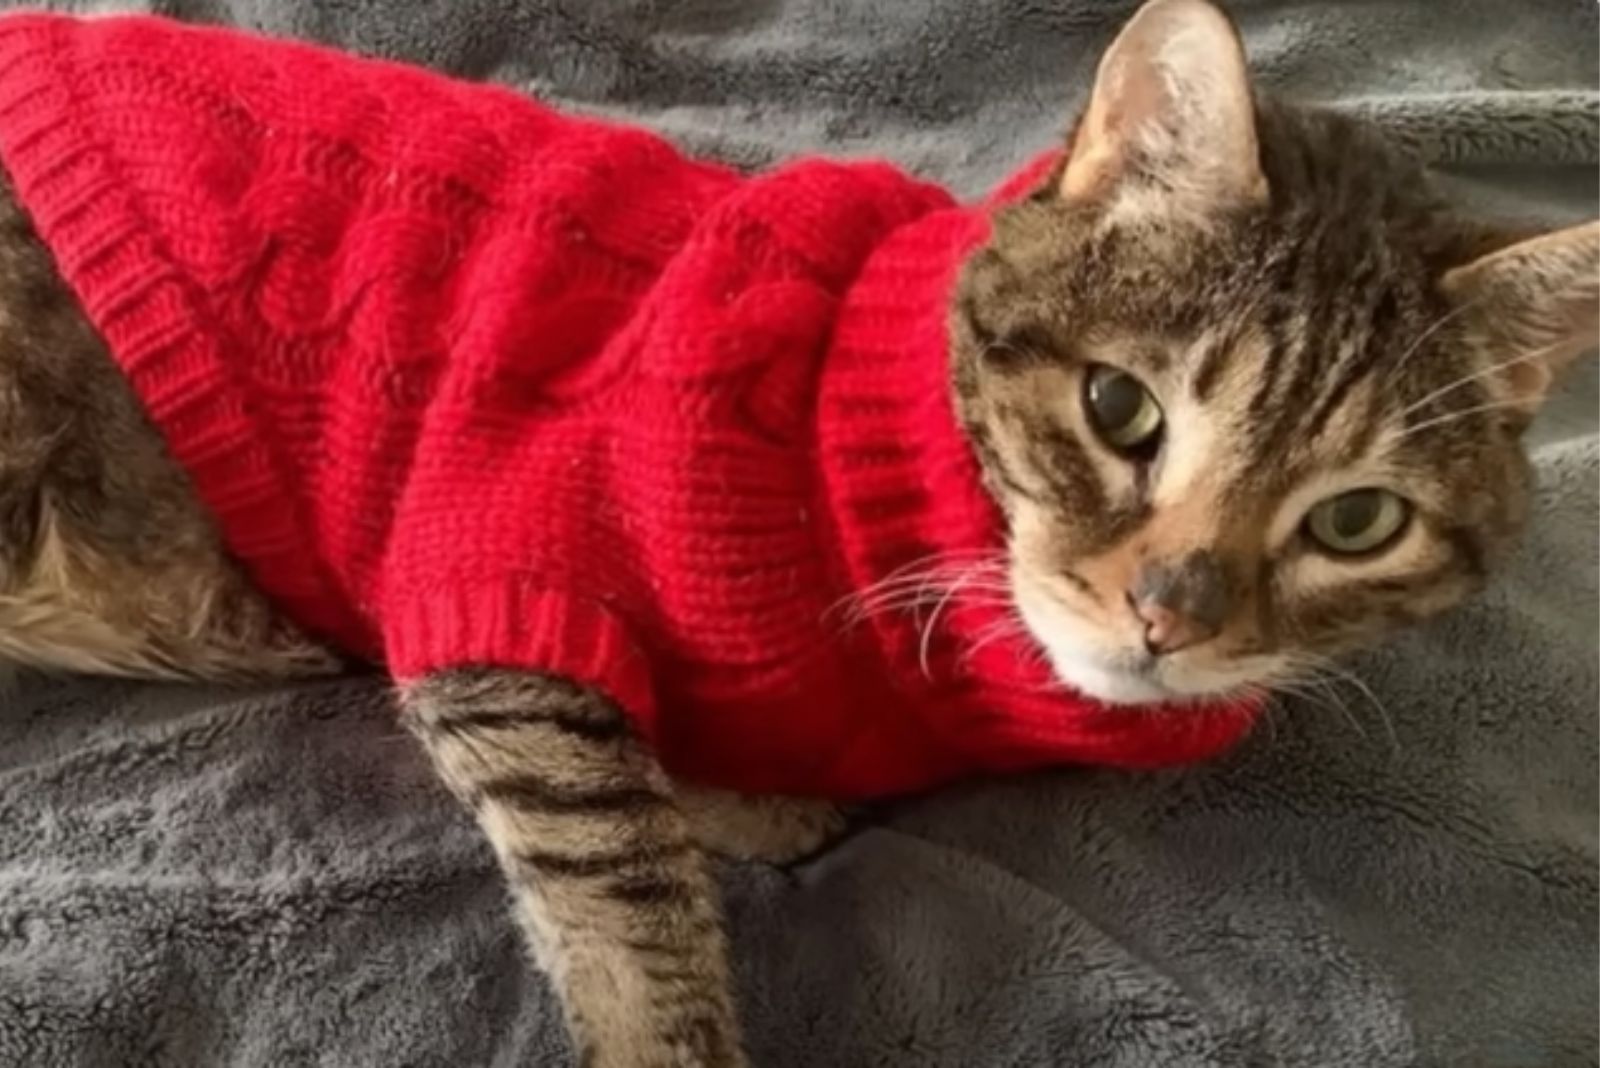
(616,899)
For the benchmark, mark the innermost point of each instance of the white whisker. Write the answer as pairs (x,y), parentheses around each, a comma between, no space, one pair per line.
(1266,697)
(910,584)
(1337,673)
(933,621)
(1325,672)
(1322,698)
(1007,626)
(1462,413)
(1527,357)
(929,588)
(1438,324)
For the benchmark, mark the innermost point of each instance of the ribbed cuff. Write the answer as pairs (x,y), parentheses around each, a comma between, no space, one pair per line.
(513,623)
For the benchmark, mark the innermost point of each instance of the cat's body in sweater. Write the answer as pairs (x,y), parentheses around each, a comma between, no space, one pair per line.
(1242,392)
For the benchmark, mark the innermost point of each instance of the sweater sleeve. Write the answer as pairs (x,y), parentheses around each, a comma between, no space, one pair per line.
(514,622)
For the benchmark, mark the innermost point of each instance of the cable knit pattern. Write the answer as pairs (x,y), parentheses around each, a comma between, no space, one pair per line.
(467,381)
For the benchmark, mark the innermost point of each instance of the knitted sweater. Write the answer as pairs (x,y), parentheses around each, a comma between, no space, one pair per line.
(465,381)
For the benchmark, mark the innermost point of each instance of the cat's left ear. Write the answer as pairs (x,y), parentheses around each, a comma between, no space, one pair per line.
(1535,304)
(1170,127)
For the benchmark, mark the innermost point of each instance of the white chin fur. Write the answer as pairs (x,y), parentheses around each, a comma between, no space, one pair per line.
(1074,650)
(1104,683)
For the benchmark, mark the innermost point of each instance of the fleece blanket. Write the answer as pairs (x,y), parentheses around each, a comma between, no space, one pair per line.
(1397,870)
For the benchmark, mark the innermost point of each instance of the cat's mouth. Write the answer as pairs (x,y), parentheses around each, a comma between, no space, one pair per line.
(1085,657)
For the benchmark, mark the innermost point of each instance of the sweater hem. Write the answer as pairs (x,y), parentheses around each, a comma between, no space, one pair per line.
(514,623)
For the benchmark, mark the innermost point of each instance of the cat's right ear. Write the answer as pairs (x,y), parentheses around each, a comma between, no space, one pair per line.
(1171,123)
(1535,304)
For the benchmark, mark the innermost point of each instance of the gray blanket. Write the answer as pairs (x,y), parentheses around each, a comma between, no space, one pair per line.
(272,878)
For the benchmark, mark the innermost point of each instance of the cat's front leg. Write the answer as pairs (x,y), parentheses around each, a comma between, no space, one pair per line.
(615,896)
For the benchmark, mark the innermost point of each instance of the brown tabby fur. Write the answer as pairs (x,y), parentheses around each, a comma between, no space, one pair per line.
(1311,313)
(1311,321)
(108,563)
(1294,288)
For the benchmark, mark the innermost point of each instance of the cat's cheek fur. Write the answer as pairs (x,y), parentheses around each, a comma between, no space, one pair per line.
(1071,646)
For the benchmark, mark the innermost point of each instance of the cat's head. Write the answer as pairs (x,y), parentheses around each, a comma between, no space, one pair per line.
(1246,393)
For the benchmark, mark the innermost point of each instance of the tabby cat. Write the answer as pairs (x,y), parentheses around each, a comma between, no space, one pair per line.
(1245,393)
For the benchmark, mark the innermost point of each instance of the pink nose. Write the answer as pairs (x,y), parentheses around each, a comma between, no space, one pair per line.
(1167,631)
(1181,602)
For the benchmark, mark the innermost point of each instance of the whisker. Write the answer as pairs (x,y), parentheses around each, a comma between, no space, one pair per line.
(1265,697)
(927,581)
(933,621)
(1462,413)
(1438,324)
(1350,678)
(1008,626)
(916,582)
(1527,357)
(1321,699)
(1328,672)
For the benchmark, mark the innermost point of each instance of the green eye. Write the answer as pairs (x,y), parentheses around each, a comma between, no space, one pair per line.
(1357,522)
(1120,409)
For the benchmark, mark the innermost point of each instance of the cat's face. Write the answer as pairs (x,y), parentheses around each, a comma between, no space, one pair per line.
(1246,397)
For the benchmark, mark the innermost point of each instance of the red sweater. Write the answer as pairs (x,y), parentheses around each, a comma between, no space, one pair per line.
(465,381)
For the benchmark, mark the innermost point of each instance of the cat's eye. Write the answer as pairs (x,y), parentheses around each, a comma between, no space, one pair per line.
(1120,409)
(1360,521)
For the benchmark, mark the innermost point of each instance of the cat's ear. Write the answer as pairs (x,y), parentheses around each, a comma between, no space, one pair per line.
(1171,122)
(1535,304)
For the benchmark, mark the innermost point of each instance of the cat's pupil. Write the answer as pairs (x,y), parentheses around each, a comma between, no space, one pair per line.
(1116,399)
(1354,513)
(1122,411)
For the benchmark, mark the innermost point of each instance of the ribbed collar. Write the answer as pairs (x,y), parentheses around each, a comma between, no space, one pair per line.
(906,494)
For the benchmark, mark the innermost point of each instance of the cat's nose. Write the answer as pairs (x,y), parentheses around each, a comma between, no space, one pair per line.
(1181,603)
(1166,631)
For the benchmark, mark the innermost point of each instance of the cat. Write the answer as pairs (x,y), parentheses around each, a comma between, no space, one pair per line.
(1239,389)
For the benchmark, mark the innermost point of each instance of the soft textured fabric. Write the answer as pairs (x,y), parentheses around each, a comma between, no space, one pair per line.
(208,878)
(465,381)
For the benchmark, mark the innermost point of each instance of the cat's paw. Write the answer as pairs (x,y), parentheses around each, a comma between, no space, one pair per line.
(776,830)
